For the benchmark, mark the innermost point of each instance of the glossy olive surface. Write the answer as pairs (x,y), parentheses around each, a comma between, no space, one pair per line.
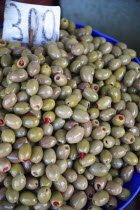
(69,122)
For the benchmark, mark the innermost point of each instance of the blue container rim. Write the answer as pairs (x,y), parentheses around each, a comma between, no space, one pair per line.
(135,182)
(96,33)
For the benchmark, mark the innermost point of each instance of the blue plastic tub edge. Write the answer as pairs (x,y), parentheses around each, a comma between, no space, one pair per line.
(134,184)
(108,38)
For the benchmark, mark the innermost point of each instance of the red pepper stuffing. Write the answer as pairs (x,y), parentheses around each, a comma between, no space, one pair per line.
(1,122)
(95,87)
(37,107)
(82,154)
(2,42)
(25,160)
(5,169)
(57,78)
(120,117)
(47,120)
(21,63)
(56,203)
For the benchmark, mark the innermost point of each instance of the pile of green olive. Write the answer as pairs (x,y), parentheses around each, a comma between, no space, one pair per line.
(69,122)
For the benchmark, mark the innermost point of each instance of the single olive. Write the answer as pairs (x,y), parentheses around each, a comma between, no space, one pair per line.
(19,75)
(124,195)
(113,188)
(105,48)
(60,184)
(28,198)
(12,195)
(16,169)
(52,172)
(35,134)
(130,52)
(31,183)
(100,198)
(70,175)
(112,203)
(49,156)
(117,132)
(56,199)
(38,169)
(99,132)
(48,142)
(37,154)
(30,121)
(78,200)
(127,173)
(9,100)
(130,158)
(44,194)
(98,169)
(19,182)
(114,64)
(32,87)
(78,168)
(105,156)
(24,153)
(96,147)
(100,183)
(5,205)
(5,149)
(13,121)
(5,164)
(63,165)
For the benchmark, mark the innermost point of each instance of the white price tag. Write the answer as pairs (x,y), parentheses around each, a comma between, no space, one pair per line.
(21,18)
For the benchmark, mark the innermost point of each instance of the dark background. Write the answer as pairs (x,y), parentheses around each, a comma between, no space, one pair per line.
(117,18)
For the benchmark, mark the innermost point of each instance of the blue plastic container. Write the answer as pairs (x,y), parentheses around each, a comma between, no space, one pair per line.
(134,184)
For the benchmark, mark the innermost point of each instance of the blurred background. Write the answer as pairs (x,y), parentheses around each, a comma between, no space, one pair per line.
(119,19)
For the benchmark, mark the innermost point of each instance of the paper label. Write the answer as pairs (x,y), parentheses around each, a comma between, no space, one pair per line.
(20,18)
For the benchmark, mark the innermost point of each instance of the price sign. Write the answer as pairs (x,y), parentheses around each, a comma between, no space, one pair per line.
(21,18)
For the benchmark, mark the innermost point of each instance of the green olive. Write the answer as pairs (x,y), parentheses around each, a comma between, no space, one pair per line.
(12,195)
(35,134)
(130,158)
(124,195)
(98,169)
(8,136)
(24,153)
(32,87)
(52,172)
(13,121)
(78,200)
(100,198)
(30,121)
(16,169)
(44,194)
(28,198)
(18,182)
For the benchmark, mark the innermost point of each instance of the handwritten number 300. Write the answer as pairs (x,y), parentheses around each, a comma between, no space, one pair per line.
(31,11)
